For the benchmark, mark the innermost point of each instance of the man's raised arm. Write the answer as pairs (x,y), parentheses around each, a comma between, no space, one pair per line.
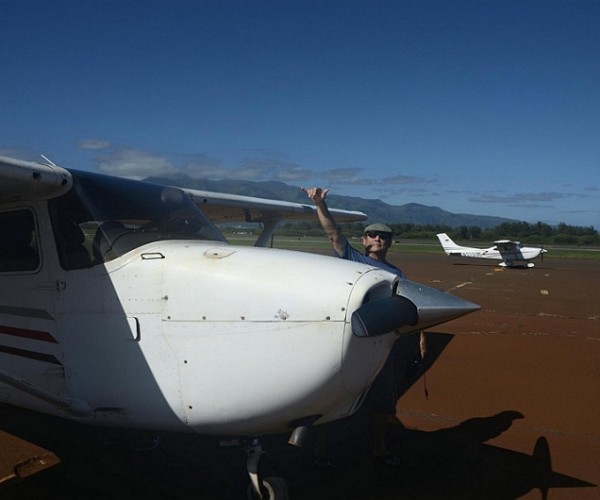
(338,240)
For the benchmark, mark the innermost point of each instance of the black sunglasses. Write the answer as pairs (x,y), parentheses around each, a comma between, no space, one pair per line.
(381,234)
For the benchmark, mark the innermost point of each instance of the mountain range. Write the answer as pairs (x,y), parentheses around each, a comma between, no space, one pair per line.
(377,210)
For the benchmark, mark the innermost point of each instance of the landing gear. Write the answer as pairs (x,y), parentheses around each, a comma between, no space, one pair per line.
(272,488)
(263,484)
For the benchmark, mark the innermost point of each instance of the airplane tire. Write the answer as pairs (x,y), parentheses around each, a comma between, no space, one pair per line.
(274,488)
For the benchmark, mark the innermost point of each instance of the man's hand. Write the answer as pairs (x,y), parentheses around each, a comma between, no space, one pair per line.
(316,194)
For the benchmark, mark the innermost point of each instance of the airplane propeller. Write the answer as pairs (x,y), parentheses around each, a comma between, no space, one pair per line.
(414,308)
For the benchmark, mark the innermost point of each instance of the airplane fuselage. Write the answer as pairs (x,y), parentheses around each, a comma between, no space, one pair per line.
(520,257)
(121,304)
(508,252)
(187,336)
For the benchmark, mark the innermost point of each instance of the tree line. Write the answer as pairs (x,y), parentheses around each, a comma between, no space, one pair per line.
(538,233)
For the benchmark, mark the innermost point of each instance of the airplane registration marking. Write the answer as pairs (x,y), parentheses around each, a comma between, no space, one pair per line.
(28,334)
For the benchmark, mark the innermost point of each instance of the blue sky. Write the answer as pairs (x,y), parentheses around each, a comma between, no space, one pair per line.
(490,108)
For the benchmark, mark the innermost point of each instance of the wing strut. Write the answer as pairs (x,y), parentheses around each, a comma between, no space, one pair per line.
(74,407)
(269,226)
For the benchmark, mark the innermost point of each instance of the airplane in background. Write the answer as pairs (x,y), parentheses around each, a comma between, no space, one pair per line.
(123,305)
(511,253)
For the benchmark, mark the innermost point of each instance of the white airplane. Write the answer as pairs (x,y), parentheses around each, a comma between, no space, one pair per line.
(123,305)
(511,253)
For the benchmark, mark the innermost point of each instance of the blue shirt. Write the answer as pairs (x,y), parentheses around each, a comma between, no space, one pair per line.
(351,253)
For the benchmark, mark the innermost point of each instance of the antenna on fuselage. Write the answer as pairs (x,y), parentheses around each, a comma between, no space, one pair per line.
(50,162)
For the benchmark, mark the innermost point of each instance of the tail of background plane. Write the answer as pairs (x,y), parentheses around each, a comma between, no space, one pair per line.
(448,245)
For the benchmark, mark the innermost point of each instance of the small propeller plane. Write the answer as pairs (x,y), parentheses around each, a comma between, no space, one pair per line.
(122,304)
(511,253)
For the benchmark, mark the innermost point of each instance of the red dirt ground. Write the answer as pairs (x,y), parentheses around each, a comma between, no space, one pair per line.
(521,374)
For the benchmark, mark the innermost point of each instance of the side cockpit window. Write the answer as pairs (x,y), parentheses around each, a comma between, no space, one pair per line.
(103,218)
(69,219)
(70,243)
(18,242)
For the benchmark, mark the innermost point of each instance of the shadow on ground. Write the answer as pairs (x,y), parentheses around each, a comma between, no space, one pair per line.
(451,463)
(448,463)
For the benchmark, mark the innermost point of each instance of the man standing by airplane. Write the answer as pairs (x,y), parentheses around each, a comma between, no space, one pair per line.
(377,240)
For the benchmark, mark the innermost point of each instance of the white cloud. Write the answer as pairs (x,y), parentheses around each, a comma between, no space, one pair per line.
(135,164)
(348,177)
(293,174)
(202,166)
(252,169)
(341,175)
(20,154)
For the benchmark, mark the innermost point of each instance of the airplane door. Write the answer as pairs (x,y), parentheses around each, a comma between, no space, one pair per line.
(29,349)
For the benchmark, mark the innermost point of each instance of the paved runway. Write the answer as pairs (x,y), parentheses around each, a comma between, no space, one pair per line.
(508,408)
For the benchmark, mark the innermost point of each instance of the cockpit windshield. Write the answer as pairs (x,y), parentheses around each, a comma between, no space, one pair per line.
(110,216)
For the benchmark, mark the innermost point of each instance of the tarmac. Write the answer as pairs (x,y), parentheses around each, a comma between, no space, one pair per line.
(505,405)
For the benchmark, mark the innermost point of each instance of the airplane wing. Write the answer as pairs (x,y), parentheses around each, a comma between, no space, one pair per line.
(511,253)
(21,180)
(505,246)
(222,208)
(28,180)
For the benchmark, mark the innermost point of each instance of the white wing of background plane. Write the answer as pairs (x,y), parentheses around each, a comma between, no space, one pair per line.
(29,180)
(222,208)
(512,253)
(507,245)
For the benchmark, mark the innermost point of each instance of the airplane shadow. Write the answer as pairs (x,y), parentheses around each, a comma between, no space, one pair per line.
(538,265)
(450,463)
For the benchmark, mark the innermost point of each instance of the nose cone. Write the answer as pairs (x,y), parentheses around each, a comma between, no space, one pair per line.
(414,308)
(434,306)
